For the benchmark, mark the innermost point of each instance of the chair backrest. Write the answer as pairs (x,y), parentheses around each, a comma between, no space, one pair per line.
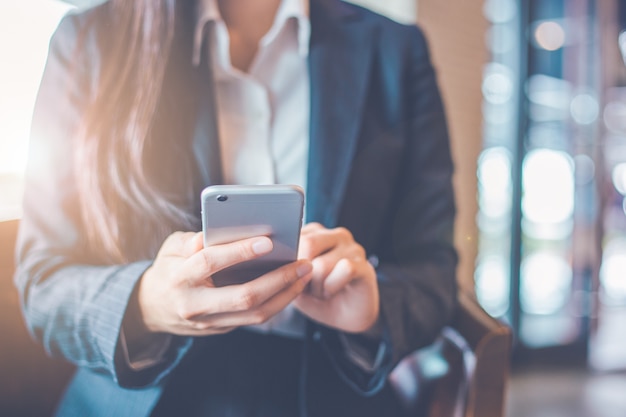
(464,374)
(490,343)
(30,382)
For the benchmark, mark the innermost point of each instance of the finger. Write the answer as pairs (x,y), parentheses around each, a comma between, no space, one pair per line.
(256,292)
(254,316)
(346,271)
(316,243)
(244,297)
(212,259)
(324,264)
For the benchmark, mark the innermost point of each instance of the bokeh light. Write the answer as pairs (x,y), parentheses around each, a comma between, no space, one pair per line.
(615,116)
(494,181)
(613,272)
(550,98)
(492,284)
(500,11)
(584,109)
(545,283)
(497,84)
(550,35)
(548,183)
(618,176)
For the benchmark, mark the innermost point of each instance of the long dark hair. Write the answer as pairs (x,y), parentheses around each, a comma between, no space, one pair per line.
(119,198)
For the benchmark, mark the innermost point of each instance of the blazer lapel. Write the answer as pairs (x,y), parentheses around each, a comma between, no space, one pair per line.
(339,65)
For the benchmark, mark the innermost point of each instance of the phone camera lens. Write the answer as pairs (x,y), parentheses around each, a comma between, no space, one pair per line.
(222,198)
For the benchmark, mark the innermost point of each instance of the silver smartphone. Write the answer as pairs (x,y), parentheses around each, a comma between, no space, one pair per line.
(235,212)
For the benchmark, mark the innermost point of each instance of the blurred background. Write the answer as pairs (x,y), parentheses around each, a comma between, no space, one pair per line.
(536,98)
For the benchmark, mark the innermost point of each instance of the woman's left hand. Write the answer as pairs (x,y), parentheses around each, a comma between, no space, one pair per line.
(343,292)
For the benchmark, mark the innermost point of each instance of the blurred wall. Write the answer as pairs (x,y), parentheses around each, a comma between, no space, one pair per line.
(456,31)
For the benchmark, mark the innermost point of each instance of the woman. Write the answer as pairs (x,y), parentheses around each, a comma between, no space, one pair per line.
(144,103)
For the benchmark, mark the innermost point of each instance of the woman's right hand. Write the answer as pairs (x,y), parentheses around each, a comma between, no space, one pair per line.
(176,294)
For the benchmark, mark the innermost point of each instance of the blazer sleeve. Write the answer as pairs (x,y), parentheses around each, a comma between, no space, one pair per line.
(417,270)
(416,259)
(71,305)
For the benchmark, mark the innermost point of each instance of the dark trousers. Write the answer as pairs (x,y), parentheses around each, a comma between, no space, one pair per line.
(245,374)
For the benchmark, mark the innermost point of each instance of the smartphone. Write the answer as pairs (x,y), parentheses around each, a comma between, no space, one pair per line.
(235,212)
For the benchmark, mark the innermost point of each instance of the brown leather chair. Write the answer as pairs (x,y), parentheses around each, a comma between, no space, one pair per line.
(463,374)
(489,342)
(30,382)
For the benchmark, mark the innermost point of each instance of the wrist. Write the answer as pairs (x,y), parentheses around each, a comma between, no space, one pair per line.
(138,312)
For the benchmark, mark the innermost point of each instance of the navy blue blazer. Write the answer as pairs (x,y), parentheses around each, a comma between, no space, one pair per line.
(379,165)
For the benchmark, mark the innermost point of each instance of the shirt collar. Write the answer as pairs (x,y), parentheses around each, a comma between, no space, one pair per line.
(208,11)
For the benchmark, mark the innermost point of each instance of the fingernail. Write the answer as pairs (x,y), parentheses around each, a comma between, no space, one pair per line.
(262,246)
(304,269)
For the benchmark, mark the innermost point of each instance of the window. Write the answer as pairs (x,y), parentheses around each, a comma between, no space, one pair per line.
(25,31)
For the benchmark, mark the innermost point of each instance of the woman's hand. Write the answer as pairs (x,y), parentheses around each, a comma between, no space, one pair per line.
(343,292)
(176,294)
